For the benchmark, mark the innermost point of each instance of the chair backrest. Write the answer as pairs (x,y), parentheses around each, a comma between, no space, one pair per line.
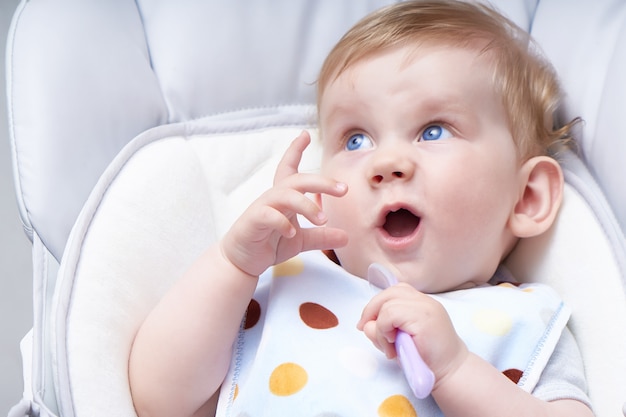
(586,42)
(86,76)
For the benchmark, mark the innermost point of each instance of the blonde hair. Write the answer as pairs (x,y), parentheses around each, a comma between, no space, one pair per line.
(527,82)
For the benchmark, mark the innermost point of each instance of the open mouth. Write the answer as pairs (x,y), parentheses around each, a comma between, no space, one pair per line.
(401,223)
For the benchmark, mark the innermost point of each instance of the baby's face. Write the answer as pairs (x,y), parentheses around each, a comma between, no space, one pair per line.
(423,143)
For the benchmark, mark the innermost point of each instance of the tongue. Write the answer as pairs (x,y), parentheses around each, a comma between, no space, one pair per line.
(401,223)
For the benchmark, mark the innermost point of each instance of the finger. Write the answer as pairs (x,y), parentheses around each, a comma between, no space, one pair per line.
(369,329)
(290,161)
(372,309)
(270,219)
(414,315)
(389,298)
(320,238)
(387,343)
(314,184)
(380,341)
(291,202)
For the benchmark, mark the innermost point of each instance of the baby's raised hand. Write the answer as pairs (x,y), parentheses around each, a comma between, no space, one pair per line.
(423,318)
(268,232)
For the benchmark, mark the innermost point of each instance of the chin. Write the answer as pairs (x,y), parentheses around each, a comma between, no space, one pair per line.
(357,269)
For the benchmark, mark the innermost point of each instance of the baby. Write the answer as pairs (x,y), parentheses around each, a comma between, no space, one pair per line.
(436,121)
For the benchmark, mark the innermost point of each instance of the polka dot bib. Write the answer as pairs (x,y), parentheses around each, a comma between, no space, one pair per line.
(299,352)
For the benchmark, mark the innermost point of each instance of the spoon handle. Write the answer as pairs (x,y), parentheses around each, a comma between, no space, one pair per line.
(419,376)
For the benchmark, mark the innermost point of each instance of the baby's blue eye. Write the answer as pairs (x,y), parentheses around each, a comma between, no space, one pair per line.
(435,132)
(358,141)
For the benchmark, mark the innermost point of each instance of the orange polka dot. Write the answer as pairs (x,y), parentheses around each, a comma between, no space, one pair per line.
(253,314)
(506,285)
(317,316)
(287,379)
(397,406)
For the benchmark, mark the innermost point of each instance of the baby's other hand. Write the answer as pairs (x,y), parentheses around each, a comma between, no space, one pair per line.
(423,318)
(268,232)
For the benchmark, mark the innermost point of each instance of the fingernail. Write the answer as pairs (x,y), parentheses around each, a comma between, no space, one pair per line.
(321,216)
(341,186)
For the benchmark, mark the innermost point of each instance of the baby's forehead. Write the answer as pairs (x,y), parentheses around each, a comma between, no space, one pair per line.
(448,84)
(477,53)
(469,57)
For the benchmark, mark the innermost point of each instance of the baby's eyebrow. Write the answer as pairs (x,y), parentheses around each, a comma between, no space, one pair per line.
(448,103)
(339,110)
(446,108)
(340,119)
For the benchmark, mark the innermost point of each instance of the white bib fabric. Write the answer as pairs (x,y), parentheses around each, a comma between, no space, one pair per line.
(299,350)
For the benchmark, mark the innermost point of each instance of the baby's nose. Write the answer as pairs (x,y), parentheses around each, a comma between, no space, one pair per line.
(391,165)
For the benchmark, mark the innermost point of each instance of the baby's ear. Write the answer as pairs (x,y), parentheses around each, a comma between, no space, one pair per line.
(541,193)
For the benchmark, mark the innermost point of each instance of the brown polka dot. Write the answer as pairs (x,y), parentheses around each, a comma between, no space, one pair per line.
(253,314)
(513,374)
(317,316)
(330,254)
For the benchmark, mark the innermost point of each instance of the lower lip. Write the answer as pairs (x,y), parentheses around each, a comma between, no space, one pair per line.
(398,243)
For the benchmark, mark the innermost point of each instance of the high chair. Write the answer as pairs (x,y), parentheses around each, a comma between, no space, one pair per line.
(141,129)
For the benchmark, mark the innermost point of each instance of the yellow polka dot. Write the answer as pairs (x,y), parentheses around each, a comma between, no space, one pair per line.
(506,285)
(236,392)
(287,379)
(290,267)
(529,289)
(493,322)
(396,406)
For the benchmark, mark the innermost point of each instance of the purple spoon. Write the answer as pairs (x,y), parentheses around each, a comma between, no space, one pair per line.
(419,376)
